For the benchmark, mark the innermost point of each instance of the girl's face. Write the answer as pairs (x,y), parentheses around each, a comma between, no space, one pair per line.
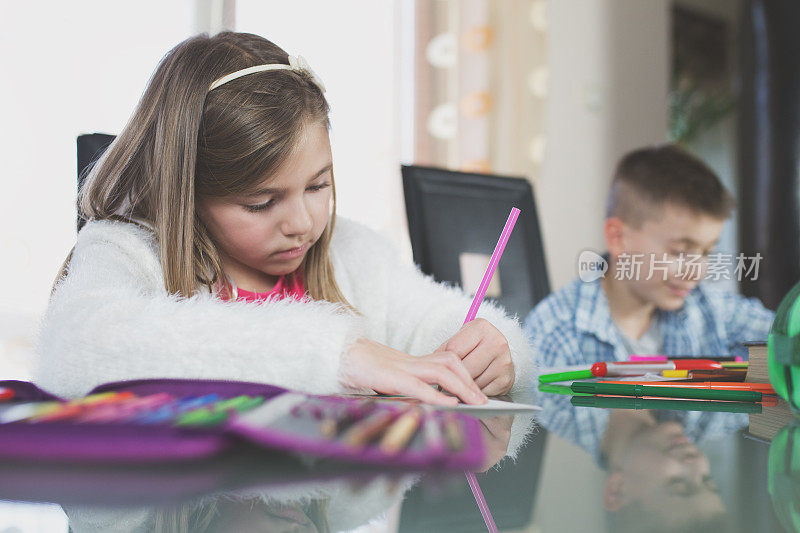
(267,234)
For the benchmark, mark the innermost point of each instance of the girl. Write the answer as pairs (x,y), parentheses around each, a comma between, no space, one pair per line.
(213,251)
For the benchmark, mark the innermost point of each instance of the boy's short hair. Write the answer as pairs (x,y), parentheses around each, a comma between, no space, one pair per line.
(648,178)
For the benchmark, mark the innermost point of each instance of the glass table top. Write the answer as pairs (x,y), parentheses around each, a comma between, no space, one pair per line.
(587,469)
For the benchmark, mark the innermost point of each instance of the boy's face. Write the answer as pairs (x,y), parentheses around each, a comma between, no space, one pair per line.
(663,471)
(671,250)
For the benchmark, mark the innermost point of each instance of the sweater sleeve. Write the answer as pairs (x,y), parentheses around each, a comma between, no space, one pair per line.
(104,323)
(423,314)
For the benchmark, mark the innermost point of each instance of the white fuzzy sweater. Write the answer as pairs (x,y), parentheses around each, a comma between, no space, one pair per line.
(112,319)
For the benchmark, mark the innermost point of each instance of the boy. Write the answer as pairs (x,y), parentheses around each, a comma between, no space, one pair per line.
(665,213)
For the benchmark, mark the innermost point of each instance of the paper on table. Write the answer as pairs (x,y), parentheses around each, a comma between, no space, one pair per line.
(492,406)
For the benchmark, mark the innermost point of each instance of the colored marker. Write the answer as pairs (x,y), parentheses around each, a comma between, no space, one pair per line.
(239,403)
(770,401)
(764,388)
(79,407)
(334,420)
(565,376)
(647,358)
(726,374)
(23,411)
(656,358)
(734,374)
(202,417)
(329,425)
(626,368)
(559,389)
(611,402)
(169,411)
(102,397)
(453,433)
(615,389)
(743,364)
(64,412)
(361,433)
(126,410)
(399,434)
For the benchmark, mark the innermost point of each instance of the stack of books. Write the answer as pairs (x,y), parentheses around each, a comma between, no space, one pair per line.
(772,417)
(758,365)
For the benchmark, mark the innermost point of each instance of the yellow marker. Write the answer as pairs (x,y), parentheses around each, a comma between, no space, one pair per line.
(734,364)
(675,373)
(94,398)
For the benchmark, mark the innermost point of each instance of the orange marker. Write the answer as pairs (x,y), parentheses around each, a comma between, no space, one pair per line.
(763,388)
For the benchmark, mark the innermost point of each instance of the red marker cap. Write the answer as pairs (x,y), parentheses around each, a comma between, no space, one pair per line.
(696,364)
(599,370)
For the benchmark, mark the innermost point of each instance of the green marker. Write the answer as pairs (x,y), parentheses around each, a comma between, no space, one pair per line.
(239,403)
(566,376)
(559,389)
(202,417)
(615,389)
(608,402)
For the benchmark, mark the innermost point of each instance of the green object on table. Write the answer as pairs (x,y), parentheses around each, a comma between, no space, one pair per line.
(783,476)
(783,344)
(239,403)
(559,389)
(615,389)
(202,417)
(566,376)
(608,402)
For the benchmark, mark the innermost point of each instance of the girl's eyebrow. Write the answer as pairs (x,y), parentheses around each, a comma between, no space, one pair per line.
(273,190)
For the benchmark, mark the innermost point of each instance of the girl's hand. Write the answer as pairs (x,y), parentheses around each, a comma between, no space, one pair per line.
(485,354)
(386,370)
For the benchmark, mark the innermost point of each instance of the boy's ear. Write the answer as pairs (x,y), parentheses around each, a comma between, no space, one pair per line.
(614,232)
(613,499)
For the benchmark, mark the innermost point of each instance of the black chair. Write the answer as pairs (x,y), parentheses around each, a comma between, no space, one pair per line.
(450,213)
(90,148)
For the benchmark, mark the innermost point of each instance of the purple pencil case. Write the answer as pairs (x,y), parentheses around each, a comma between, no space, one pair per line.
(287,422)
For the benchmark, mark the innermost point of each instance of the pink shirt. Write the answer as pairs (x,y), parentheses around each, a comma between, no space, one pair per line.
(292,288)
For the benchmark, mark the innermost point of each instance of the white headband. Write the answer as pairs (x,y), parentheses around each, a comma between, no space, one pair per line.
(296,63)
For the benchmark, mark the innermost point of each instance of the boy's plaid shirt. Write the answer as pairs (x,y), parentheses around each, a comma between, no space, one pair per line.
(574,327)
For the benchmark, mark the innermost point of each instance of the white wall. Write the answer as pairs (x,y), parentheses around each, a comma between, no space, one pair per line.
(609,66)
(68,68)
(353,47)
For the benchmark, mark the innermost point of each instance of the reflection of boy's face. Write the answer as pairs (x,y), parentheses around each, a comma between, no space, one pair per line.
(663,471)
(675,240)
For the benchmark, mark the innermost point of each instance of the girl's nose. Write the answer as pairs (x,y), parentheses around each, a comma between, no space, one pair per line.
(298,220)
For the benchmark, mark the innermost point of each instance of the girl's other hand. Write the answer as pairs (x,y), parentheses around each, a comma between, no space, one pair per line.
(372,365)
(485,354)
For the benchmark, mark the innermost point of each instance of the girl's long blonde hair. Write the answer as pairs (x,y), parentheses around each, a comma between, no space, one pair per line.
(184,142)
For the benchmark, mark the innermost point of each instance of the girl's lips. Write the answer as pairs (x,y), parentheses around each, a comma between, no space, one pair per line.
(292,253)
